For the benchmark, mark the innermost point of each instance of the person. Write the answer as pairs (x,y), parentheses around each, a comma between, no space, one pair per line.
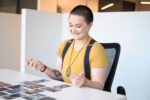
(80,23)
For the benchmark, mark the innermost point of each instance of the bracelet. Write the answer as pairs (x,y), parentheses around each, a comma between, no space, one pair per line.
(43,70)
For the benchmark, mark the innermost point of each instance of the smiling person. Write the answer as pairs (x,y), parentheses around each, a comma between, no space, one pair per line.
(81,61)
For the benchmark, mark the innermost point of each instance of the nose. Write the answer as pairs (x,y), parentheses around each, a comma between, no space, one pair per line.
(73,30)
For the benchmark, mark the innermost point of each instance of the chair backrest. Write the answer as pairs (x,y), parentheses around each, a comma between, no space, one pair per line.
(113,53)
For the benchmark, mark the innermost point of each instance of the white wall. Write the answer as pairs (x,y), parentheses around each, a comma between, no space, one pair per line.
(131,29)
(10,32)
(41,35)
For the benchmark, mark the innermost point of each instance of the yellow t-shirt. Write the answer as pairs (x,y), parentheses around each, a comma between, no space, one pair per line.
(97,58)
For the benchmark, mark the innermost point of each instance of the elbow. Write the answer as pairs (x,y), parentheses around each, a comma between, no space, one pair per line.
(101,86)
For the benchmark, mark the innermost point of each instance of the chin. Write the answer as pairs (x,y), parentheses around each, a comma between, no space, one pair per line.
(77,37)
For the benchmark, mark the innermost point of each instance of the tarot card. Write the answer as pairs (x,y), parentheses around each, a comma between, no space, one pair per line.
(50,89)
(15,86)
(17,90)
(3,93)
(3,89)
(40,81)
(35,86)
(27,97)
(2,84)
(33,91)
(37,96)
(12,96)
(61,86)
(26,83)
(47,98)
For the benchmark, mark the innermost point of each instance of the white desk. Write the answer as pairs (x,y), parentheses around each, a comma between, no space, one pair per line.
(69,93)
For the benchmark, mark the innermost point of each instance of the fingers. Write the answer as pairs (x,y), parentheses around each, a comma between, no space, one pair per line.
(78,80)
(31,63)
(27,63)
(75,81)
(75,77)
(81,74)
(34,64)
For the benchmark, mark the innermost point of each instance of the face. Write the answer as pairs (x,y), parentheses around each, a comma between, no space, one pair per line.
(78,27)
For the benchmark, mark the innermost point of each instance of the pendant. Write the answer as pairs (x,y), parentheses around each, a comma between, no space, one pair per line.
(68,71)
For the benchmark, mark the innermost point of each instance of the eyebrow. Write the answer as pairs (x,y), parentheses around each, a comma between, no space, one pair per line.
(76,24)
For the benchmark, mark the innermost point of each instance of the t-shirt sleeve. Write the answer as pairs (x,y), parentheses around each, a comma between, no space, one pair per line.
(98,56)
(61,48)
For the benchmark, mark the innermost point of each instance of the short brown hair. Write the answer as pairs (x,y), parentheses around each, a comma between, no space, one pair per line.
(84,11)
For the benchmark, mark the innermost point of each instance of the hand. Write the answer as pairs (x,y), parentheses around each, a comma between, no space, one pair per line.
(78,80)
(35,64)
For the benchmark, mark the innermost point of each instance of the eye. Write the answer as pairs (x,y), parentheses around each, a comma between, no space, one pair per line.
(78,26)
(70,25)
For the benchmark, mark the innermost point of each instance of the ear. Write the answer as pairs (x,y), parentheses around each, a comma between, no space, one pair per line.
(90,24)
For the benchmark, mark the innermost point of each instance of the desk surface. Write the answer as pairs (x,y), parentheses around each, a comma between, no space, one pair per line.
(69,93)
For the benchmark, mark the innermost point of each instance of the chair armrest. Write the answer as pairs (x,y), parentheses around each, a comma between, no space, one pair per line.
(121,90)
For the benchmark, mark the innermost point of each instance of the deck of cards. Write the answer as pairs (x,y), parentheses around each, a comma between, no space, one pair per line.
(29,90)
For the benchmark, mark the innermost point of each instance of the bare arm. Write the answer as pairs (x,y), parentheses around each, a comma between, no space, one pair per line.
(97,79)
(98,76)
(55,73)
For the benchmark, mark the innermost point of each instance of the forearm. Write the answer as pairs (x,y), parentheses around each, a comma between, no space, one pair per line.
(53,73)
(93,84)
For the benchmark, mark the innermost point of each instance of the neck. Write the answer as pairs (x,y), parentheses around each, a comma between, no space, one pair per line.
(82,41)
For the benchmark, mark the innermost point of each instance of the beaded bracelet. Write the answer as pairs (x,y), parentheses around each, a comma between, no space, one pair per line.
(43,70)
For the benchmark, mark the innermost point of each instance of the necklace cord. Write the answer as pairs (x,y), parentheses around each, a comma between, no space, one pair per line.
(69,68)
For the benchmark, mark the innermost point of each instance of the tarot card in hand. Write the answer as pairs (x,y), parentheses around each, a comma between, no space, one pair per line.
(2,84)
(61,86)
(33,86)
(50,89)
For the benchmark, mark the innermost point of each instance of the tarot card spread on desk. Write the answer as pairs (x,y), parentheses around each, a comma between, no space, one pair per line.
(38,97)
(16,88)
(3,93)
(50,89)
(61,86)
(33,91)
(29,90)
(9,97)
(2,84)
(34,82)
(40,81)
(33,86)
